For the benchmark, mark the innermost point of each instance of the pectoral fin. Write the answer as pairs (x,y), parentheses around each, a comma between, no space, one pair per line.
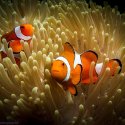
(16,46)
(76,74)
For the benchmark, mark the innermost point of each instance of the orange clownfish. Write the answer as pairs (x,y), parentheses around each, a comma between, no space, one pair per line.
(72,68)
(23,32)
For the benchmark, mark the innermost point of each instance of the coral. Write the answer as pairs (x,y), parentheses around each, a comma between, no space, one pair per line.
(28,94)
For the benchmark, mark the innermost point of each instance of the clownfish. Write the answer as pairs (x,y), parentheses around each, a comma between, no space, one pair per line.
(72,68)
(22,32)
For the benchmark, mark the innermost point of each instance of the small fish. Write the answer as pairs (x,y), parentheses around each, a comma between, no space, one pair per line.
(72,68)
(23,32)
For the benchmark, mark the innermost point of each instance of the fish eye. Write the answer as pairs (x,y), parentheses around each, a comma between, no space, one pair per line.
(22,27)
(63,64)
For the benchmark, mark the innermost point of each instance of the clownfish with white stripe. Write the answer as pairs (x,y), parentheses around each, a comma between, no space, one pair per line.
(22,32)
(72,68)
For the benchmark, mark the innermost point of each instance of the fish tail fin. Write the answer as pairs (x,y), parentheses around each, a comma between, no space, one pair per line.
(113,64)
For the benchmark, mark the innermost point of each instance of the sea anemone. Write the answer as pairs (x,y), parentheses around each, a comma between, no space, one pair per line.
(28,93)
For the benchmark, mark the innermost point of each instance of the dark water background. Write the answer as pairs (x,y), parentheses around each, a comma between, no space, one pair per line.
(113,3)
(119,3)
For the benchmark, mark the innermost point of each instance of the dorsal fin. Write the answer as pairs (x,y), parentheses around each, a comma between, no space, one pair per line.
(86,58)
(68,49)
(90,55)
(69,53)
